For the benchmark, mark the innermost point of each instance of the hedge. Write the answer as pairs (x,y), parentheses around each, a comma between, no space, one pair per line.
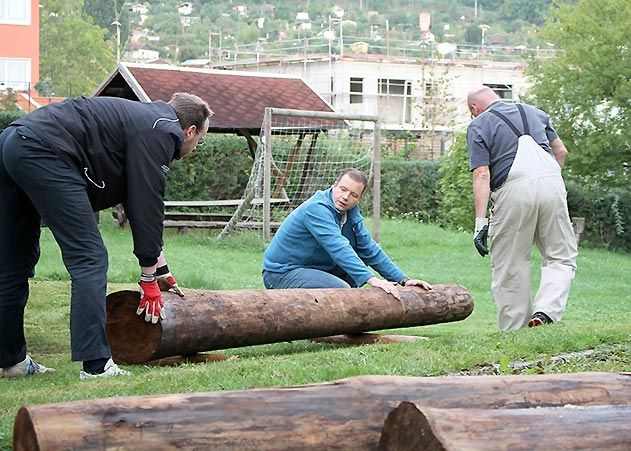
(6,117)
(410,189)
(428,191)
(219,169)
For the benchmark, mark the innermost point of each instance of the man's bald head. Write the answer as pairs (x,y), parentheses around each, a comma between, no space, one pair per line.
(479,99)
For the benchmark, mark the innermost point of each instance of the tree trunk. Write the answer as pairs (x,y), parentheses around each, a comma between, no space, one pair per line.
(410,427)
(211,320)
(343,415)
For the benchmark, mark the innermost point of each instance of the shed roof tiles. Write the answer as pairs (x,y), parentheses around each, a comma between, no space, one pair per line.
(238,99)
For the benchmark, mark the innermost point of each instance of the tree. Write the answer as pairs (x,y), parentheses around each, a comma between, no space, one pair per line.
(529,10)
(8,103)
(105,12)
(586,88)
(73,53)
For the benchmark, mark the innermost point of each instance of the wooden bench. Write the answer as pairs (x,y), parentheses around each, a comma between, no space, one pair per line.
(205,219)
(218,203)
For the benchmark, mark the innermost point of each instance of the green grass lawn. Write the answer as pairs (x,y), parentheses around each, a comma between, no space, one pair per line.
(598,317)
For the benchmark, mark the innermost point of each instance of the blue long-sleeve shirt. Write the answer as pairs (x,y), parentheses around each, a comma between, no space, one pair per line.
(312,236)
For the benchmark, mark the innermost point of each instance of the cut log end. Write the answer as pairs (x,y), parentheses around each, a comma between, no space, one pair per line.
(124,327)
(407,429)
(24,435)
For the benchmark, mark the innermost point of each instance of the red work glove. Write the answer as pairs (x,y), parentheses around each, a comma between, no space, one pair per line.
(167,282)
(150,299)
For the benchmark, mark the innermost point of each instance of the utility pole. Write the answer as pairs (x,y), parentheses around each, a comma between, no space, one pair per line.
(341,37)
(387,39)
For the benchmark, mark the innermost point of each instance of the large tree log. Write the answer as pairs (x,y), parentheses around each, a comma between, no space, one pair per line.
(410,428)
(211,320)
(344,415)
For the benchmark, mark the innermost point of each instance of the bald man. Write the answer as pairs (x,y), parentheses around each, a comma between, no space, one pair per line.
(516,159)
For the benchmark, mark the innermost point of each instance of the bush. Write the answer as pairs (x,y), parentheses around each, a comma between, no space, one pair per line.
(6,117)
(456,187)
(607,213)
(409,188)
(219,169)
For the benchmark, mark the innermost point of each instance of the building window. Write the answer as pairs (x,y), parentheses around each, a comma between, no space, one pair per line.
(15,74)
(395,100)
(16,12)
(392,87)
(504,91)
(357,90)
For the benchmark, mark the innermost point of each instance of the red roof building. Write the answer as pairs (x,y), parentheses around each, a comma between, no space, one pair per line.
(19,44)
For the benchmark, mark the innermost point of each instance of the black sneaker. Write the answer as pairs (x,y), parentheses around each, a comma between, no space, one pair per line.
(539,319)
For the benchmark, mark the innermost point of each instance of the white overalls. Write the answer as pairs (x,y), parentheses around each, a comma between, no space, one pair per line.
(530,206)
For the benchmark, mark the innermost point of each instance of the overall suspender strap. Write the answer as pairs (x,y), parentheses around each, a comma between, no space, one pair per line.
(522,113)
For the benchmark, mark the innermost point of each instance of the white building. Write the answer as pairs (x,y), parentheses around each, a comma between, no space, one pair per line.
(408,94)
(185,9)
(140,55)
(414,97)
(141,10)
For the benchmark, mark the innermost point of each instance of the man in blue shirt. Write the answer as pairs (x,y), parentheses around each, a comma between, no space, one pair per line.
(324,244)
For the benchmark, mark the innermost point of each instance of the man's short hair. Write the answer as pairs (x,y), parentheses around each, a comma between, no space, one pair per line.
(356,175)
(190,109)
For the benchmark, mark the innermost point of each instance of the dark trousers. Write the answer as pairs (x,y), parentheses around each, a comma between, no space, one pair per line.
(34,185)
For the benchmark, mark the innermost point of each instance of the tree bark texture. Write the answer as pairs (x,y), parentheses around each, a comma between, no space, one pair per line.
(410,427)
(348,414)
(211,320)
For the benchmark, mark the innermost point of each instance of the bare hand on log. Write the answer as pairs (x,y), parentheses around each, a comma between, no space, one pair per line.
(418,283)
(385,285)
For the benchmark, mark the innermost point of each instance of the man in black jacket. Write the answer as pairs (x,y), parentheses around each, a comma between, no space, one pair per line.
(59,164)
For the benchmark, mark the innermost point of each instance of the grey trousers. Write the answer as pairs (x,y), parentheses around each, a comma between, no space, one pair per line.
(34,185)
(529,207)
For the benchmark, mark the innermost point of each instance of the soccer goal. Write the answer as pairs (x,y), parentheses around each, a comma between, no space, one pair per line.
(301,152)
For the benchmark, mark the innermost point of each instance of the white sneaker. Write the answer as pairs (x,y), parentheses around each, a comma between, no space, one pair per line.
(111,369)
(27,367)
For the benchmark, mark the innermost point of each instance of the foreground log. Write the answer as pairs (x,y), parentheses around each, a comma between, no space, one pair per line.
(410,427)
(211,320)
(348,414)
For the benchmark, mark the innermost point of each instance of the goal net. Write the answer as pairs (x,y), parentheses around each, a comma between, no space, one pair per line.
(301,152)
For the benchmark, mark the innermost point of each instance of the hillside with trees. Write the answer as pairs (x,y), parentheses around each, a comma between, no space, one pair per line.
(180,30)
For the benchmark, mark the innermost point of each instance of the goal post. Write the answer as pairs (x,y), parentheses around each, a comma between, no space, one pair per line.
(301,152)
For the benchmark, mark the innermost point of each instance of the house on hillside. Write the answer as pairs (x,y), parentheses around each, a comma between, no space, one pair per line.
(138,52)
(242,10)
(185,9)
(141,10)
(302,21)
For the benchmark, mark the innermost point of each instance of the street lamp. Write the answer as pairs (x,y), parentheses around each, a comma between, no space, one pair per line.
(118,40)
(117,24)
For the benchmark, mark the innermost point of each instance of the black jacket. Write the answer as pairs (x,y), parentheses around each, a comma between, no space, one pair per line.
(123,150)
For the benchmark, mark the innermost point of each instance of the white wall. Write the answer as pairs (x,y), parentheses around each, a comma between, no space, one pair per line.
(459,78)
